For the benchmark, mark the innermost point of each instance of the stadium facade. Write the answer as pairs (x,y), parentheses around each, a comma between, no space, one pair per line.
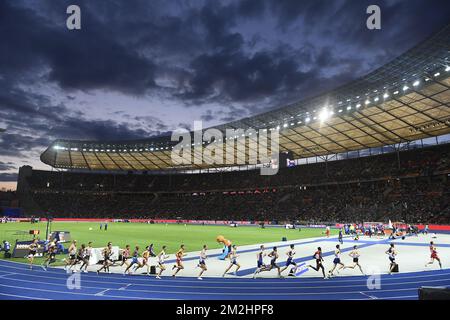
(403,101)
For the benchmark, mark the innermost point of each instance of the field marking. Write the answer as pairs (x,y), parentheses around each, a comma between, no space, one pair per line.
(230,281)
(125,287)
(308,258)
(22,297)
(387,298)
(400,297)
(288,243)
(7,274)
(289,294)
(101,293)
(77,293)
(210,287)
(371,297)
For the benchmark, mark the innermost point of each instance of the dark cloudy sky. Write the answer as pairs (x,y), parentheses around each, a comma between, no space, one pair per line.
(142,68)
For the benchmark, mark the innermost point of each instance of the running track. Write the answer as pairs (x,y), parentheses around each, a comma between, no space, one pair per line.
(18,282)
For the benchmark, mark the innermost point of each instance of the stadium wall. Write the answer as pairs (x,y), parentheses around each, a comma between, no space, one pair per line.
(431,227)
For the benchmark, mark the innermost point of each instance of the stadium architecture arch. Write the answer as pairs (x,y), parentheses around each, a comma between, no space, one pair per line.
(403,101)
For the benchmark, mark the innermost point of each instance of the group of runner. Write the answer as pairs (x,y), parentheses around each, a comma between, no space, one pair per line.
(132,262)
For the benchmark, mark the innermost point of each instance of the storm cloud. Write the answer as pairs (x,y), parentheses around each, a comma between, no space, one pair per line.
(144,68)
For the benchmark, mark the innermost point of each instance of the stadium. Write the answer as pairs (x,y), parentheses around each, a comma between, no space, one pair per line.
(365,167)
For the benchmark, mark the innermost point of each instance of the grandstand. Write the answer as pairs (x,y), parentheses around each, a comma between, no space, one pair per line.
(365,151)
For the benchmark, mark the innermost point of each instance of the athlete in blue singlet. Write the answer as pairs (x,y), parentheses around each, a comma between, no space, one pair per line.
(290,260)
(233,261)
(260,266)
(336,261)
(202,262)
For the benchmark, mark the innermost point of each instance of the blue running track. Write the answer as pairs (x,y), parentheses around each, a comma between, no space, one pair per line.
(18,282)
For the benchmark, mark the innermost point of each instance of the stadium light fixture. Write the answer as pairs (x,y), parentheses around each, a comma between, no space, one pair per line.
(386,95)
(285,125)
(416,83)
(340,110)
(396,92)
(357,106)
(308,119)
(437,74)
(324,114)
(367,102)
(447,68)
(405,88)
(349,108)
(376,99)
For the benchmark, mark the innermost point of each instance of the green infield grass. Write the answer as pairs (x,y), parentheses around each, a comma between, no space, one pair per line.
(142,234)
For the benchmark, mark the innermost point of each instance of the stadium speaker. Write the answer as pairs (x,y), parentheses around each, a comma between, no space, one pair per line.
(284,156)
(430,293)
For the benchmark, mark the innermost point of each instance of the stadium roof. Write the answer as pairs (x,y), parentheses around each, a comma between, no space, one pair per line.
(405,100)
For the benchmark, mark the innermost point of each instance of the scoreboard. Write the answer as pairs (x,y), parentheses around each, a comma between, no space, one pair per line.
(21,249)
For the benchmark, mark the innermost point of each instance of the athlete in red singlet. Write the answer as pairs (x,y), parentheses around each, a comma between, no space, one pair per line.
(434,255)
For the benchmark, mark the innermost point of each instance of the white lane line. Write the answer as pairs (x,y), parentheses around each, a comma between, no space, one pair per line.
(268,282)
(101,293)
(78,293)
(21,297)
(386,298)
(125,287)
(7,274)
(221,287)
(371,297)
(220,293)
(400,297)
